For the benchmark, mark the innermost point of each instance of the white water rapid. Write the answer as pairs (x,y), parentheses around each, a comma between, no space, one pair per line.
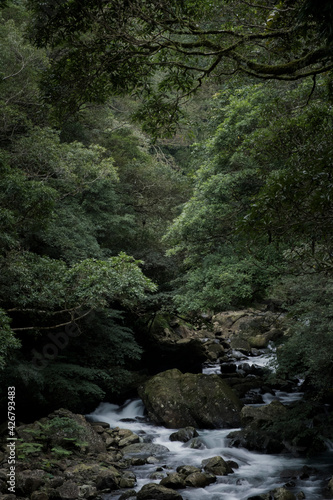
(257,473)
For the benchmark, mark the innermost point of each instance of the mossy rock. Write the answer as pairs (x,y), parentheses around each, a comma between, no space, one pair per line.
(176,400)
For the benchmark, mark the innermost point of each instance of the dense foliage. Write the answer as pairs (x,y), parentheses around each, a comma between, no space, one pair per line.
(82,210)
(164,50)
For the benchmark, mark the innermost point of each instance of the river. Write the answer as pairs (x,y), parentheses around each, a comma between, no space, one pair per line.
(257,473)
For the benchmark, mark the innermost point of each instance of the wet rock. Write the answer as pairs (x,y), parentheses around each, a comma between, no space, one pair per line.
(128,480)
(120,438)
(184,435)
(186,470)
(108,479)
(137,461)
(303,473)
(132,439)
(213,351)
(282,494)
(217,466)
(87,491)
(277,494)
(200,479)
(174,481)
(128,495)
(157,475)
(330,485)
(232,464)
(240,344)
(144,450)
(196,443)
(251,397)
(178,400)
(262,414)
(152,491)
(227,368)
(251,369)
(68,491)
(243,386)
(256,440)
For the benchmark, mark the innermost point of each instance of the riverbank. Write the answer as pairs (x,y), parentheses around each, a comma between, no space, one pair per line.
(137,451)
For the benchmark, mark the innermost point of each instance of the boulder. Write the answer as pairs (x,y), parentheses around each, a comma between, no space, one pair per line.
(85,432)
(262,414)
(108,479)
(186,470)
(87,491)
(128,495)
(175,400)
(200,479)
(277,494)
(196,443)
(128,480)
(174,481)
(29,481)
(68,491)
(256,440)
(255,435)
(248,324)
(144,450)
(217,466)
(282,494)
(330,485)
(120,438)
(213,350)
(240,344)
(171,343)
(184,435)
(152,491)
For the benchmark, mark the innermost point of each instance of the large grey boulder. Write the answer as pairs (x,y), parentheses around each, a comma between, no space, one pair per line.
(152,491)
(255,435)
(144,450)
(176,400)
(200,479)
(216,465)
(175,481)
(184,435)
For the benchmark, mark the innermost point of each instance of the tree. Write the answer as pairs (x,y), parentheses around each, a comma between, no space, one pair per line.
(164,50)
(261,205)
(21,67)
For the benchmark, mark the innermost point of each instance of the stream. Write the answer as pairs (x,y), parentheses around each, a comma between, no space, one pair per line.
(257,473)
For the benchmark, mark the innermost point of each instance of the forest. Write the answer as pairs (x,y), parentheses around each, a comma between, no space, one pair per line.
(160,159)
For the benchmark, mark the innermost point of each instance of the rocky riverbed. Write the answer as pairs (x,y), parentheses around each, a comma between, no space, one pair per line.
(195,435)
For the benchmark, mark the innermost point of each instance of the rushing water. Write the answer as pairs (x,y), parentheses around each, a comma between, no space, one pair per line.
(257,473)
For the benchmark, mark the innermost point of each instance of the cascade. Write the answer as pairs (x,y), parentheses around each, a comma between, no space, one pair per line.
(257,473)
